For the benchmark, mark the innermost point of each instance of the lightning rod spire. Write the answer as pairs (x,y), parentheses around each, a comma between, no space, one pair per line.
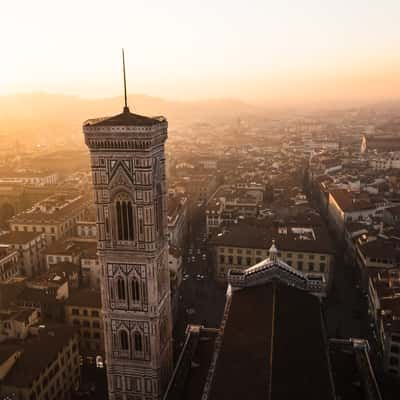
(126,108)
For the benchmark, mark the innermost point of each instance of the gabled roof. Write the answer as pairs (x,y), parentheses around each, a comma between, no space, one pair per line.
(126,118)
(272,347)
(271,270)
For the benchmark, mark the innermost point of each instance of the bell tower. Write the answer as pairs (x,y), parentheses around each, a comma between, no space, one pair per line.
(128,172)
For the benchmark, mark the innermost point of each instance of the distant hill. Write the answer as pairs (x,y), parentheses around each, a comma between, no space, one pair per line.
(55,117)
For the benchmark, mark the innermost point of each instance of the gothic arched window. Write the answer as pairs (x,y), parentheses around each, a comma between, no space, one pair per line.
(124,212)
(123,340)
(135,290)
(158,211)
(121,289)
(137,338)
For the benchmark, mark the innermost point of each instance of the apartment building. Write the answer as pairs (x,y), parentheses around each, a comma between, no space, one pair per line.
(177,220)
(15,322)
(83,311)
(56,216)
(30,247)
(44,366)
(9,266)
(303,247)
(346,206)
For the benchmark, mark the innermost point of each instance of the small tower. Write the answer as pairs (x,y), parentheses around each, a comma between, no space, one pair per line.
(128,172)
(273,252)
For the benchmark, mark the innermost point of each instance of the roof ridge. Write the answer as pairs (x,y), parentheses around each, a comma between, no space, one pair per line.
(271,353)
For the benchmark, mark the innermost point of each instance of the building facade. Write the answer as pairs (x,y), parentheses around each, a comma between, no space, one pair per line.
(30,247)
(177,220)
(128,172)
(9,266)
(83,311)
(56,216)
(45,366)
(344,207)
(307,249)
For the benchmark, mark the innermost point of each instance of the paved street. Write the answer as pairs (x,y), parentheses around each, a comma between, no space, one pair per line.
(346,307)
(201,300)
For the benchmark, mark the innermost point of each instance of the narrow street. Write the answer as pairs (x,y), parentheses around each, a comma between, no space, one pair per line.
(346,307)
(201,299)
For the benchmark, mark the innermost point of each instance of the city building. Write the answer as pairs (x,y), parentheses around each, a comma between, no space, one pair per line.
(70,250)
(234,202)
(39,178)
(47,293)
(30,247)
(346,206)
(128,171)
(255,357)
(9,266)
(385,162)
(175,265)
(43,366)
(86,229)
(380,143)
(15,322)
(83,311)
(391,215)
(72,272)
(10,290)
(201,187)
(177,220)
(56,216)
(90,267)
(307,248)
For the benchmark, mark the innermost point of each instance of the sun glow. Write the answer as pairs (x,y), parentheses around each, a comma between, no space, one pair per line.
(260,50)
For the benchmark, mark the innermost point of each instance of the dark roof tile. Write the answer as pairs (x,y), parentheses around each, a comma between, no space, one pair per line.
(125,119)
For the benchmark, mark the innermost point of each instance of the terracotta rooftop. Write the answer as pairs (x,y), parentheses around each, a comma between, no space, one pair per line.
(381,248)
(84,298)
(260,237)
(71,247)
(18,237)
(348,201)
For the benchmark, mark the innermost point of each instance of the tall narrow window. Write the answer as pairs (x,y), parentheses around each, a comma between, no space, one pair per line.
(130,221)
(158,211)
(124,214)
(107,225)
(119,220)
(144,292)
(135,290)
(138,341)
(121,289)
(125,222)
(123,340)
(140,222)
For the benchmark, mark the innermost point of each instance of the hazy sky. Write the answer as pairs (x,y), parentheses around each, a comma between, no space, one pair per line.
(254,49)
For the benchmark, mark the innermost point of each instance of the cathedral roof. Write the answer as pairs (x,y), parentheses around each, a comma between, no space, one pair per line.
(272,347)
(272,269)
(271,344)
(126,118)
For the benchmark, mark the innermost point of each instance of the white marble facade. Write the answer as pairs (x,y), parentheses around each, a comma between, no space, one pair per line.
(128,172)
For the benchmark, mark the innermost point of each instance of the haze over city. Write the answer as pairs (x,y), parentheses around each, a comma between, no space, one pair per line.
(268,52)
(211,213)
